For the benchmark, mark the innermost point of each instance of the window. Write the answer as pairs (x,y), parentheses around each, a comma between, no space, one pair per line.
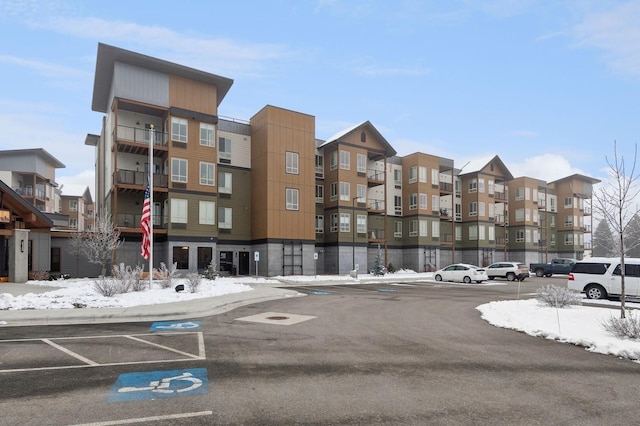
(519,215)
(397,204)
(178,170)
(413,201)
(481,210)
(73,205)
(205,256)
(424,228)
(361,224)
(292,159)
(345,191)
(481,232)
(73,223)
(458,233)
(473,209)
(435,203)
(423,201)
(181,257)
(552,240)
(179,129)
(292,196)
(333,222)
(224,217)
(319,166)
(519,194)
(413,228)
(207,134)
(492,233)
(333,191)
(435,177)
(568,239)
(178,210)
(422,174)
(361,193)
(320,224)
(345,222)
(224,183)
(552,221)
(333,160)
(397,229)
(527,193)
(397,178)
(473,186)
(435,229)
(481,185)
(413,174)
(491,186)
(473,232)
(207,173)
(520,236)
(207,213)
(361,163)
(224,148)
(568,202)
(319,193)
(568,221)
(527,214)
(345,160)
(535,216)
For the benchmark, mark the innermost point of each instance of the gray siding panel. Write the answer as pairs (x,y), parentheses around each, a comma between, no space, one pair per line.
(141,85)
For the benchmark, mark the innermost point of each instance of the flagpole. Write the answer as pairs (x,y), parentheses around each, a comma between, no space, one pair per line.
(151,143)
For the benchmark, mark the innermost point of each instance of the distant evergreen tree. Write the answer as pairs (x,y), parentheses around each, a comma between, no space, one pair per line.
(632,237)
(604,243)
(378,264)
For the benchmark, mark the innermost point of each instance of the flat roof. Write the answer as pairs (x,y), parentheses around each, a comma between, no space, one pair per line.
(109,55)
(39,152)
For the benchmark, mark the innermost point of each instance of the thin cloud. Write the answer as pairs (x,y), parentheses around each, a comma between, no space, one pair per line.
(616,33)
(548,167)
(45,68)
(230,56)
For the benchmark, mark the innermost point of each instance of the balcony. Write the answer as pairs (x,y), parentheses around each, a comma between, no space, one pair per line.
(375,177)
(134,140)
(375,206)
(132,221)
(376,235)
(446,187)
(134,178)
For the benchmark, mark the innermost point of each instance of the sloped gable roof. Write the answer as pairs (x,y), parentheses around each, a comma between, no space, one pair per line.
(33,217)
(478,165)
(389,150)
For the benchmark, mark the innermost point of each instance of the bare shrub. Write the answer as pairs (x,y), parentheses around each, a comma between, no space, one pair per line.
(194,280)
(167,275)
(137,283)
(628,327)
(108,287)
(558,297)
(211,272)
(39,275)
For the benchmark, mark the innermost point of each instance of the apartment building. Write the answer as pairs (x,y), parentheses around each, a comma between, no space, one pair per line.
(31,173)
(267,197)
(78,210)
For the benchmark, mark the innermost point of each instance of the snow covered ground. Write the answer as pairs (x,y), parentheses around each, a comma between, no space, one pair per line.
(579,325)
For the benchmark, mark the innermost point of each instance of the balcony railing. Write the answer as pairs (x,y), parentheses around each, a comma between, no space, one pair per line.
(132,177)
(130,220)
(375,205)
(135,134)
(375,176)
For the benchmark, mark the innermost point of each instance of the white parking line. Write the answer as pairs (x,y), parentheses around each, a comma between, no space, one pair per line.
(148,419)
(89,363)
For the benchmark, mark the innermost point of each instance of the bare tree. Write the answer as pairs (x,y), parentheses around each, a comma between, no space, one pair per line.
(100,242)
(614,203)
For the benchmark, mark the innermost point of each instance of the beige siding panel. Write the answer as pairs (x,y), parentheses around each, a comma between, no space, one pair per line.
(193,95)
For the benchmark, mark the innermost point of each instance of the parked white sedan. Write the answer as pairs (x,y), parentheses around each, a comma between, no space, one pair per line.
(461,272)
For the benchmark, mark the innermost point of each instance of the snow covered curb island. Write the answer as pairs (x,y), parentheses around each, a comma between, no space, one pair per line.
(79,293)
(579,325)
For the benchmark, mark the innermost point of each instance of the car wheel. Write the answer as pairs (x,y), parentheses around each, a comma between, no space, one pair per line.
(491,278)
(548,275)
(438,277)
(539,272)
(511,276)
(594,291)
(479,282)
(466,280)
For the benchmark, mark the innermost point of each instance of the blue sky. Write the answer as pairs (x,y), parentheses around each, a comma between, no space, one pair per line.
(546,85)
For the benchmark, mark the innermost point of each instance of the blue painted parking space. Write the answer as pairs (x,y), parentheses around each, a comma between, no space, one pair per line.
(159,384)
(320,292)
(176,326)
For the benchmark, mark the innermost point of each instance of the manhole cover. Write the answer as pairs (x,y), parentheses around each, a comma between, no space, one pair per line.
(278,318)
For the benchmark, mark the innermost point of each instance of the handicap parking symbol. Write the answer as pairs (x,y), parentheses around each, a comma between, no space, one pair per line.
(176,326)
(159,384)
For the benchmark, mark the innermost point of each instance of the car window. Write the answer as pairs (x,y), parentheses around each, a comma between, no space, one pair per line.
(629,270)
(593,268)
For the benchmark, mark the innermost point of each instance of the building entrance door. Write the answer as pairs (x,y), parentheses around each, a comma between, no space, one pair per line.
(243,263)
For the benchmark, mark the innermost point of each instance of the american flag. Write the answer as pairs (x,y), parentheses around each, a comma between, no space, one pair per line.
(145,224)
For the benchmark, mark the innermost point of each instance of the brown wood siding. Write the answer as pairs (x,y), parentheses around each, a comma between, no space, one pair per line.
(276,131)
(193,95)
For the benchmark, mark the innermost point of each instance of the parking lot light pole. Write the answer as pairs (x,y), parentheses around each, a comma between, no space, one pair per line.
(353,234)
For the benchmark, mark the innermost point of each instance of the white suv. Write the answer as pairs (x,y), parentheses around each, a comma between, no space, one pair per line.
(599,278)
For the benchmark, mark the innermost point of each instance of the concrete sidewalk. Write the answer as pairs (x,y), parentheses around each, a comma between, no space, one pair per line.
(160,312)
